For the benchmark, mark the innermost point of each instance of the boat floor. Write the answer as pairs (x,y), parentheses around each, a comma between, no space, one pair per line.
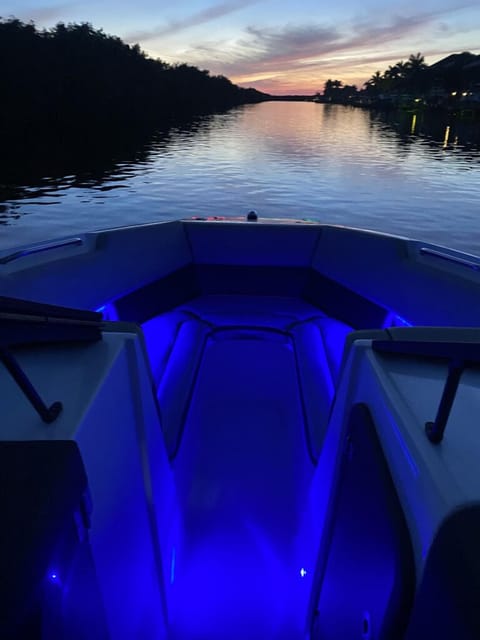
(243,472)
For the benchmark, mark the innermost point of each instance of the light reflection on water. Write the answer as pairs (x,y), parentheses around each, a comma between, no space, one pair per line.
(403,173)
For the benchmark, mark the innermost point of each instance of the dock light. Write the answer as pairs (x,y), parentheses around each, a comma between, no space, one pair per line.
(464,94)
(454,93)
(303,572)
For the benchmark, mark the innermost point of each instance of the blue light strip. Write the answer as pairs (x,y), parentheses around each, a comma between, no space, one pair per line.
(172,566)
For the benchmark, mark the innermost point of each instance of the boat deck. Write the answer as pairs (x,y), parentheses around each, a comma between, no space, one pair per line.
(241,418)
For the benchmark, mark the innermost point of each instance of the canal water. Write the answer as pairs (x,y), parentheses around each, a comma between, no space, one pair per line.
(406,173)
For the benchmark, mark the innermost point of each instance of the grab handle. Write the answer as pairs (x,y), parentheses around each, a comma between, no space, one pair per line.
(47,413)
(16,255)
(459,355)
(464,262)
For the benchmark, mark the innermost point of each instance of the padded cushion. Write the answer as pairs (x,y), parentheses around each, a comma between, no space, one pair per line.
(176,385)
(175,343)
(242,310)
(319,345)
(160,336)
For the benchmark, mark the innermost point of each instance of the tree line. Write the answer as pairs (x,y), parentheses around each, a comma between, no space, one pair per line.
(408,76)
(456,73)
(75,77)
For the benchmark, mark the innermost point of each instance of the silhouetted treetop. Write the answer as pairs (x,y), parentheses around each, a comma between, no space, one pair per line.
(459,72)
(74,76)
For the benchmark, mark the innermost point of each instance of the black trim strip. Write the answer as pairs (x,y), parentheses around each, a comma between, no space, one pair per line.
(191,281)
(466,351)
(341,303)
(252,280)
(24,322)
(159,296)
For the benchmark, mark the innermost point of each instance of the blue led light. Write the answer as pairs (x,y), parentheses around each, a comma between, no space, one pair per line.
(172,567)
(392,319)
(303,572)
(402,322)
(53,577)
(108,312)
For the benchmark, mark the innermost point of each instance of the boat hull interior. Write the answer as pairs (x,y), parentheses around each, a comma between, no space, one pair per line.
(242,459)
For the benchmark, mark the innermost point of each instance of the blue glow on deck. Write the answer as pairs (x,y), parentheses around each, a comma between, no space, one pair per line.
(235,567)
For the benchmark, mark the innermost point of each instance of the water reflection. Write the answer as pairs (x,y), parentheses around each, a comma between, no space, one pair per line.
(447,137)
(407,173)
(41,170)
(437,131)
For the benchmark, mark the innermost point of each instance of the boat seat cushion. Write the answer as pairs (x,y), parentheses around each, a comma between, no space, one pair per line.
(242,310)
(319,346)
(160,335)
(175,342)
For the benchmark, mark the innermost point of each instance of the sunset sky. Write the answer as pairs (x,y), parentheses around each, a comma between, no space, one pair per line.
(277,46)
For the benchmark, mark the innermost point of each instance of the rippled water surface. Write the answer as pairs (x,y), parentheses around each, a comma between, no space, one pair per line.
(404,173)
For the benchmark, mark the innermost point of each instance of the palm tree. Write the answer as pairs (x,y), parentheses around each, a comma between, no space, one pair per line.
(397,71)
(331,89)
(376,83)
(416,73)
(415,63)
(401,68)
(395,76)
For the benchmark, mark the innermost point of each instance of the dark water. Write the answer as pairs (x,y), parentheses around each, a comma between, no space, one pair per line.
(412,174)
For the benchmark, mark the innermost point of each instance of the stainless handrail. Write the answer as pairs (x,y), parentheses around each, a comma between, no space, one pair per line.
(450,258)
(39,249)
(460,356)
